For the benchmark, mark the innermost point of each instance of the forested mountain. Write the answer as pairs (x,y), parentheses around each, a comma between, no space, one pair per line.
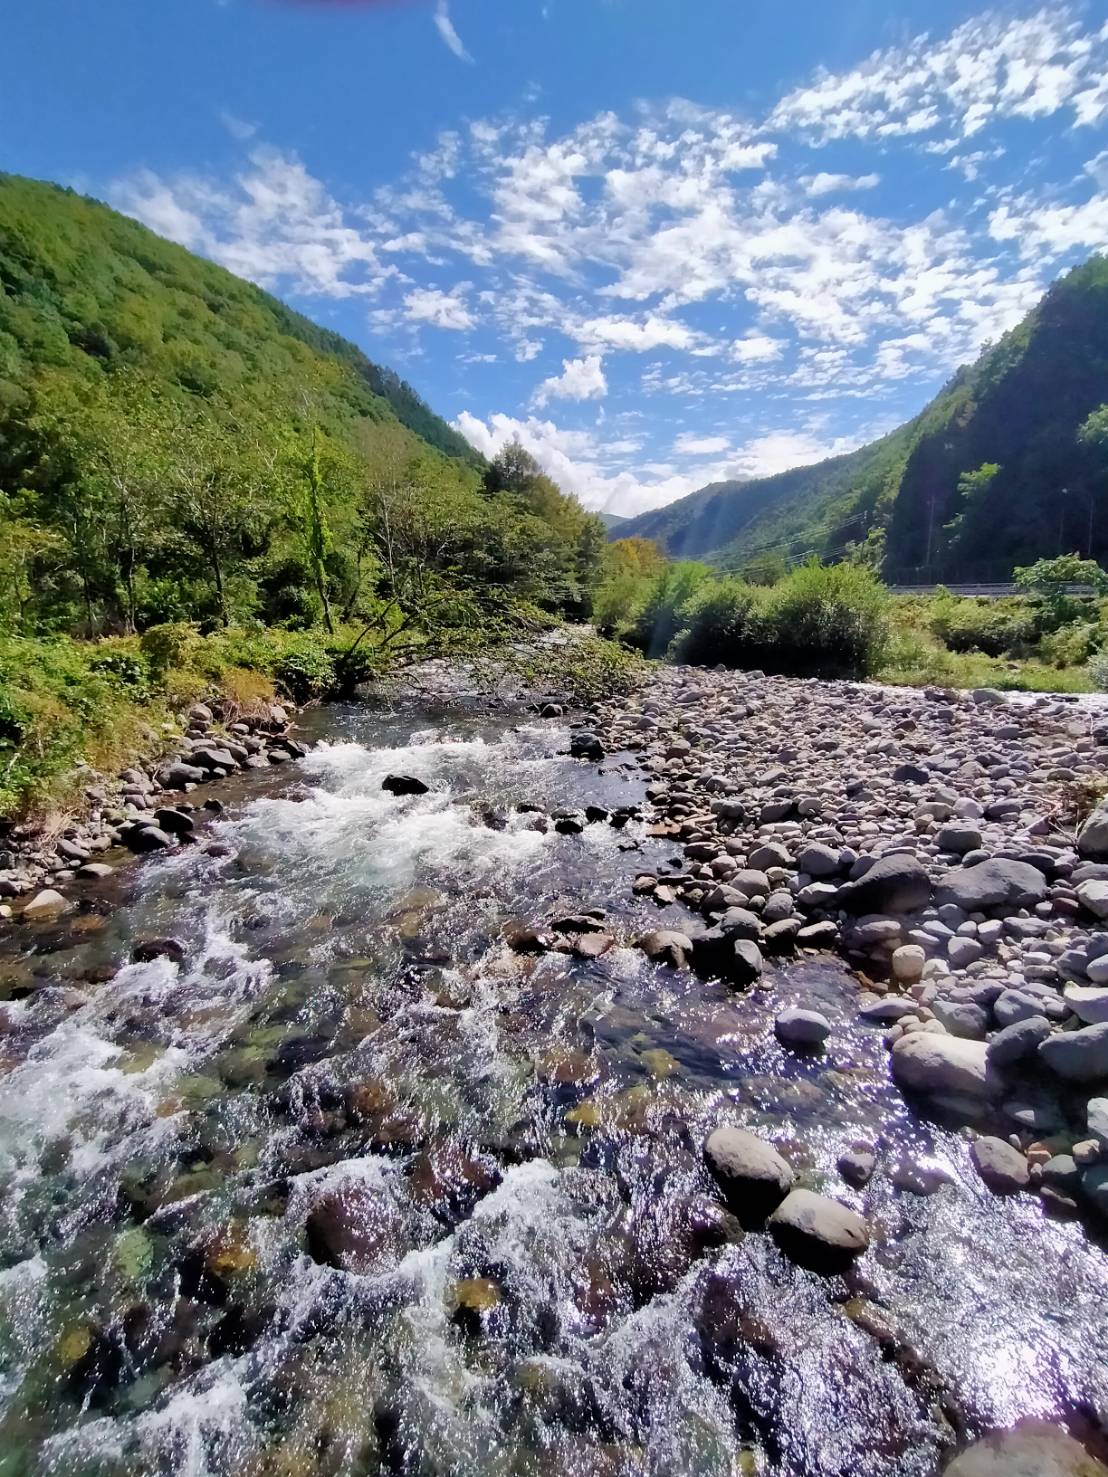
(177,444)
(1007,463)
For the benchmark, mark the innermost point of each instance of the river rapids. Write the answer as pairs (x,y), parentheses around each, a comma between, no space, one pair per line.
(350,1187)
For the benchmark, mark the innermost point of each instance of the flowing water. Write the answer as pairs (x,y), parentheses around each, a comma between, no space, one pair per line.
(354,1188)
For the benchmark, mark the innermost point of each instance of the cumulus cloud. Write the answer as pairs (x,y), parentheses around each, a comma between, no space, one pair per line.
(580,379)
(440,309)
(690,444)
(831,184)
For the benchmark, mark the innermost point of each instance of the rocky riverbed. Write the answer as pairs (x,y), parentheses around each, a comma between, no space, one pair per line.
(949,845)
(490,1093)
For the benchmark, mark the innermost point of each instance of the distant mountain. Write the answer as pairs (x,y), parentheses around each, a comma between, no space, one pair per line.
(1018,408)
(613,522)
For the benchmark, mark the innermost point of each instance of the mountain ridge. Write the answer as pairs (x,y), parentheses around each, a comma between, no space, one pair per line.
(1018,407)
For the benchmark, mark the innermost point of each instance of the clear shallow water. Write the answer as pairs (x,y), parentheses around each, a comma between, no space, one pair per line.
(533,1274)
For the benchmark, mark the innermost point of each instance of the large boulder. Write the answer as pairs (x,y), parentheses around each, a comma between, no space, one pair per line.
(404,784)
(894,884)
(177,774)
(996,883)
(667,946)
(1092,839)
(1018,1042)
(943,1066)
(1093,896)
(1031,1449)
(1003,1168)
(799,1027)
(1078,1056)
(753,1176)
(818,1232)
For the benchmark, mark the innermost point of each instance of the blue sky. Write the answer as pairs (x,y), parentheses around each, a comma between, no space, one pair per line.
(663,241)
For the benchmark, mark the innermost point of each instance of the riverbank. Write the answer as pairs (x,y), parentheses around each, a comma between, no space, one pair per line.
(946,844)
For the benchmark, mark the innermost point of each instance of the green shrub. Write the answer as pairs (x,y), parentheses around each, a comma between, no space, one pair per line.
(658,622)
(827,620)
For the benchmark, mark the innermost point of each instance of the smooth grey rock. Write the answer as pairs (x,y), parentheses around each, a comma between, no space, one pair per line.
(799,1027)
(962,1018)
(894,884)
(1078,1056)
(857,1165)
(1096,1118)
(46,904)
(1092,839)
(818,860)
(996,883)
(1031,1449)
(1018,1042)
(817,1231)
(958,838)
(1093,897)
(751,1173)
(942,1065)
(1089,1003)
(1003,1168)
(667,945)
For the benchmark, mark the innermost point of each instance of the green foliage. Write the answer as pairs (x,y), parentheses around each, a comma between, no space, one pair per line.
(659,620)
(176,445)
(1051,579)
(825,620)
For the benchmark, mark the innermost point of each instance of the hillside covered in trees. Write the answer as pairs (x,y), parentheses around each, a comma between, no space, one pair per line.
(1008,463)
(177,445)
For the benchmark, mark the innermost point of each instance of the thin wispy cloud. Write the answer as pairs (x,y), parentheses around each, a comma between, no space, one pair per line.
(445,27)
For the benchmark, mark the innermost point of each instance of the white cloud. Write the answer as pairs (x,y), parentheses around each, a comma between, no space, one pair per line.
(1047,232)
(440,309)
(237,127)
(445,27)
(991,66)
(527,349)
(690,444)
(274,224)
(580,379)
(830,184)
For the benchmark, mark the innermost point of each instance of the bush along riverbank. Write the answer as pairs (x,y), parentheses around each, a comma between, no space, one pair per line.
(949,845)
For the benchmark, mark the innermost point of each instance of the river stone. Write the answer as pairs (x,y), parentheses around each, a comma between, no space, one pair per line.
(857,1165)
(938,1064)
(908,962)
(174,822)
(746,964)
(799,1027)
(1089,1003)
(404,784)
(213,758)
(1096,1118)
(177,775)
(356,1228)
(147,838)
(996,883)
(46,904)
(1093,897)
(894,884)
(586,746)
(818,1232)
(1078,1056)
(751,1173)
(962,1018)
(147,950)
(958,838)
(1003,1168)
(1092,839)
(1031,1449)
(667,945)
(1018,1042)
(818,860)
(1094,1187)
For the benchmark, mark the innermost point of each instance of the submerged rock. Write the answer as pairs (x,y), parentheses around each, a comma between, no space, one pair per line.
(1031,1449)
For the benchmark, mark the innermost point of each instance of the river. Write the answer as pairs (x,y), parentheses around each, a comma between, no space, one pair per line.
(353,1187)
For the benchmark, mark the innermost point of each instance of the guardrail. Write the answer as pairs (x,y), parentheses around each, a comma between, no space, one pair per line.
(986,592)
